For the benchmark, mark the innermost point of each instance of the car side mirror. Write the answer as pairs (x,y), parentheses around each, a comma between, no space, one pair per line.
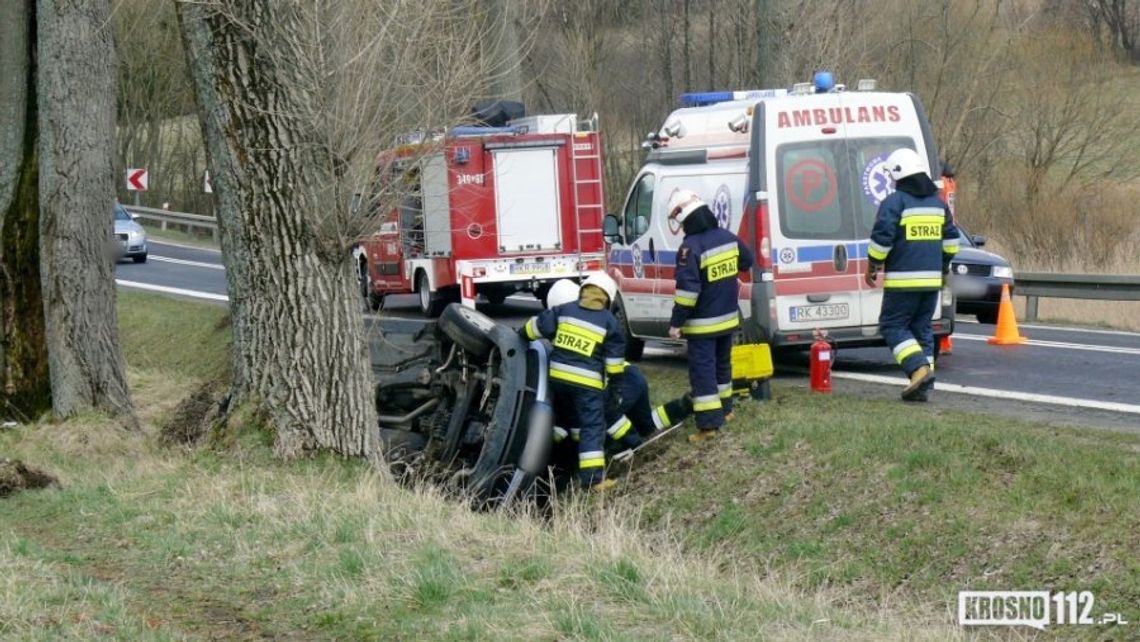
(611,229)
(978,240)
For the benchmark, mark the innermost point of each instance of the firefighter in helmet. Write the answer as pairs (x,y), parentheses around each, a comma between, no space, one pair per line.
(633,418)
(705,306)
(586,367)
(914,238)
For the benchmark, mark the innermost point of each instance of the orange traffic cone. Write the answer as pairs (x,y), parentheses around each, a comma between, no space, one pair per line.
(1006,333)
(946,346)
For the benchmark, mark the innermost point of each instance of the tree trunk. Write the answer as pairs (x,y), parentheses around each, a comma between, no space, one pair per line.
(25,389)
(298,336)
(75,98)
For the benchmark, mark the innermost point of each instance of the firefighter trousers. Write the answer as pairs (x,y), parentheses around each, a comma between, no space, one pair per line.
(710,378)
(625,424)
(587,408)
(905,324)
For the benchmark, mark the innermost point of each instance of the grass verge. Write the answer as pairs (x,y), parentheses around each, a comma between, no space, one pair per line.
(146,543)
(893,500)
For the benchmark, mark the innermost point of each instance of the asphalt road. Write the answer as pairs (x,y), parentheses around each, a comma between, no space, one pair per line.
(1071,375)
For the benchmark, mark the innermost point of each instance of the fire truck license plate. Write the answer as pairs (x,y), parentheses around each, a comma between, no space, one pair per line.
(530,268)
(820,312)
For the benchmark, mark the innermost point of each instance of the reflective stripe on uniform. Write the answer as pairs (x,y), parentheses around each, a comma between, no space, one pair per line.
(591,459)
(593,331)
(560,434)
(719,253)
(913,213)
(661,418)
(685,298)
(705,403)
(574,374)
(615,365)
(905,349)
(711,324)
(724,390)
(619,428)
(576,434)
(878,252)
(532,329)
(913,279)
(950,246)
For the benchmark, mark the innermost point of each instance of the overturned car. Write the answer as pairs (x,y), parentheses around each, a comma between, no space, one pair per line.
(466,399)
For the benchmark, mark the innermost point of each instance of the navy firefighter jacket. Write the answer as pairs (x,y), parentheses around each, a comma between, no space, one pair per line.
(706,300)
(915,236)
(588,344)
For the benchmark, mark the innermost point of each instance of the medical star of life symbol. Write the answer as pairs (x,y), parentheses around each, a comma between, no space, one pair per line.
(638,266)
(877,185)
(722,207)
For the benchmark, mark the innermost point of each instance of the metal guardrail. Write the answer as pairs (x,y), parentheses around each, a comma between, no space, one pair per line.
(166,217)
(1105,287)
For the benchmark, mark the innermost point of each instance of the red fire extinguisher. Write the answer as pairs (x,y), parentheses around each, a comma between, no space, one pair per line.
(821,356)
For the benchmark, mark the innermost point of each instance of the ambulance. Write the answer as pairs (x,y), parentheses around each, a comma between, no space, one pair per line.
(798,175)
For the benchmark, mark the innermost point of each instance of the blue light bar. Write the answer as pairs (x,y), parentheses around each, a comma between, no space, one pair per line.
(700,99)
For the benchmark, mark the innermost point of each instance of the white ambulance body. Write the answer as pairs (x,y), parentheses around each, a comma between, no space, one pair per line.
(799,177)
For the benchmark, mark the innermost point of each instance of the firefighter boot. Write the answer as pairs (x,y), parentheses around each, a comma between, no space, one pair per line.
(703,435)
(916,389)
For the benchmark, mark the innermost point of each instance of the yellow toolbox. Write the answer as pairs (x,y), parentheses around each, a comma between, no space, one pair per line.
(751,369)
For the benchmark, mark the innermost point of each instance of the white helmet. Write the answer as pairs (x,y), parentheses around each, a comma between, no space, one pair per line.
(683,202)
(563,291)
(905,162)
(603,281)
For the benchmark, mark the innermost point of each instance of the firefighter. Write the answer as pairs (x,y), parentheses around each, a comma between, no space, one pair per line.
(586,368)
(635,418)
(705,308)
(914,238)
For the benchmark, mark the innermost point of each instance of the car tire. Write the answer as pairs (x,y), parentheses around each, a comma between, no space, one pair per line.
(371,300)
(469,328)
(139,258)
(988,318)
(431,303)
(634,347)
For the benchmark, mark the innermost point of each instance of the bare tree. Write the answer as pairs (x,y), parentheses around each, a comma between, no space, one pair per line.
(76,90)
(25,388)
(297,99)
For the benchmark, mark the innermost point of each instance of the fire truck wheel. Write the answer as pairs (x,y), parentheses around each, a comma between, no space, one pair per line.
(431,303)
(469,328)
(634,347)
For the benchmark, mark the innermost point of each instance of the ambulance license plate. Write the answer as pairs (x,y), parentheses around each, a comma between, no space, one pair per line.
(530,268)
(824,312)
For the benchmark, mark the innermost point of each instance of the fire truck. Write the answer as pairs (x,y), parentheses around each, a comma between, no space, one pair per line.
(495,210)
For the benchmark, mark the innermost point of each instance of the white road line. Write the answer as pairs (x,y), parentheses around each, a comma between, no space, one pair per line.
(1060,328)
(167,259)
(1032,397)
(165,290)
(1062,344)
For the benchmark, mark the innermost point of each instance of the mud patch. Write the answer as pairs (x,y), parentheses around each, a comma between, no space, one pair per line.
(15,477)
(194,416)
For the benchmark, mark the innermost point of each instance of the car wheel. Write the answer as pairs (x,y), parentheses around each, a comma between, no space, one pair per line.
(634,347)
(371,300)
(989,318)
(469,328)
(431,303)
(139,258)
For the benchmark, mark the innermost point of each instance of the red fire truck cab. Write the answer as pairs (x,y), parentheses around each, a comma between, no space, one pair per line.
(497,210)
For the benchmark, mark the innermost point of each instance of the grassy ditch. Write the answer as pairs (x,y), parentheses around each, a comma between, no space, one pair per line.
(890,500)
(142,542)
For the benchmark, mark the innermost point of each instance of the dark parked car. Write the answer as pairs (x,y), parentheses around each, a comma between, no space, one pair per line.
(976,277)
(130,237)
(465,399)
